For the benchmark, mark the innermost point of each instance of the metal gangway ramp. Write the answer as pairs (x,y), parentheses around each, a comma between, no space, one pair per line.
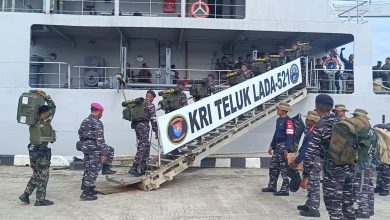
(165,169)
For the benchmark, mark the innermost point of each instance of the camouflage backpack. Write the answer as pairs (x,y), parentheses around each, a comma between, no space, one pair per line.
(170,102)
(135,112)
(299,128)
(198,90)
(353,141)
(304,49)
(259,67)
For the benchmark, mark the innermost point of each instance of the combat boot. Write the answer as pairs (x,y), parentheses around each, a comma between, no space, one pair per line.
(44,203)
(378,189)
(268,190)
(25,198)
(134,169)
(384,193)
(303,207)
(107,170)
(310,213)
(280,193)
(87,194)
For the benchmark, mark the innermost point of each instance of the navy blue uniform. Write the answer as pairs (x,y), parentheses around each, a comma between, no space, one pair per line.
(281,142)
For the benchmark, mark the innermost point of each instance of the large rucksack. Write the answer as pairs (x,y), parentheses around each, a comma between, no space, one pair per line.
(353,141)
(383,148)
(170,102)
(198,90)
(135,112)
(299,128)
(28,107)
(304,49)
(259,67)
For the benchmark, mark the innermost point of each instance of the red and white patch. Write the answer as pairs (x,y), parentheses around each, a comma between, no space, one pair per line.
(290,128)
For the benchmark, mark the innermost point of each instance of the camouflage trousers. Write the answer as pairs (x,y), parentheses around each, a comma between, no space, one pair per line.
(338,187)
(142,130)
(313,190)
(383,176)
(364,192)
(92,166)
(40,164)
(108,151)
(278,166)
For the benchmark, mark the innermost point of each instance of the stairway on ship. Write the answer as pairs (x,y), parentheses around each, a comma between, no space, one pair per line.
(166,167)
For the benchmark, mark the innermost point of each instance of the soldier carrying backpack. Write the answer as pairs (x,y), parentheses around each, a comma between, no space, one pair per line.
(33,112)
(141,113)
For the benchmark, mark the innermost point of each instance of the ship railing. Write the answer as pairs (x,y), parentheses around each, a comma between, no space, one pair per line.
(49,74)
(237,10)
(381,81)
(105,77)
(22,6)
(325,81)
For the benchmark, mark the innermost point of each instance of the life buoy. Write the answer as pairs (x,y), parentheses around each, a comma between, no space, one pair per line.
(169,6)
(200,6)
(331,64)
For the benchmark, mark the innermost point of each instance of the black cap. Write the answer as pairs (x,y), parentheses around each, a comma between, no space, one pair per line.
(151,92)
(43,108)
(211,75)
(324,99)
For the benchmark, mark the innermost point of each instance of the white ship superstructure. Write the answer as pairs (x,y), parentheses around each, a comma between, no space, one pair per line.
(73,49)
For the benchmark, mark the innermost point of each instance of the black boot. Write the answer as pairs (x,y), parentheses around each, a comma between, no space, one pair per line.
(134,169)
(303,207)
(87,194)
(378,189)
(268,190)
(25,198)
(384,193)
(106,170)
(310,213)
(280,193)
(44,203)
(143,168)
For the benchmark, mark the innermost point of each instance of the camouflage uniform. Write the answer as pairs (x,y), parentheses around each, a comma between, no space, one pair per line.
(383,177)
(386,74)
(108,151)
(183,99)
(142,129)
(364,192)
(248,75)
(91,134)
(211,89)
(281,142)
(40,154)
(338,181)
(313,191)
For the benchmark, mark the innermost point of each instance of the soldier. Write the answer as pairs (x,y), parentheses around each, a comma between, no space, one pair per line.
(40,154)
(376,73)
(142,130)
(94,148)
(340,111)
(245,72)
(310,208)
(281,144)
(211,89)
(386,74)
(144,75)
(182,95)
(338,181)
(364,190)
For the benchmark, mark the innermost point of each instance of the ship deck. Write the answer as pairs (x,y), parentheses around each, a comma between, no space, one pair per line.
(195,194)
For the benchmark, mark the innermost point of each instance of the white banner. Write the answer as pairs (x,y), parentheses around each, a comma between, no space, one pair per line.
(183,125)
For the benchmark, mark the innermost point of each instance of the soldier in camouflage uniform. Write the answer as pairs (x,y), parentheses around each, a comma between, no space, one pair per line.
(386,74)
(182,95)
(310,208)
(280,146)
(40,154)
(245,72)
(364,189)
(211,89)
(142,130)
(338,181)
(94,147)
